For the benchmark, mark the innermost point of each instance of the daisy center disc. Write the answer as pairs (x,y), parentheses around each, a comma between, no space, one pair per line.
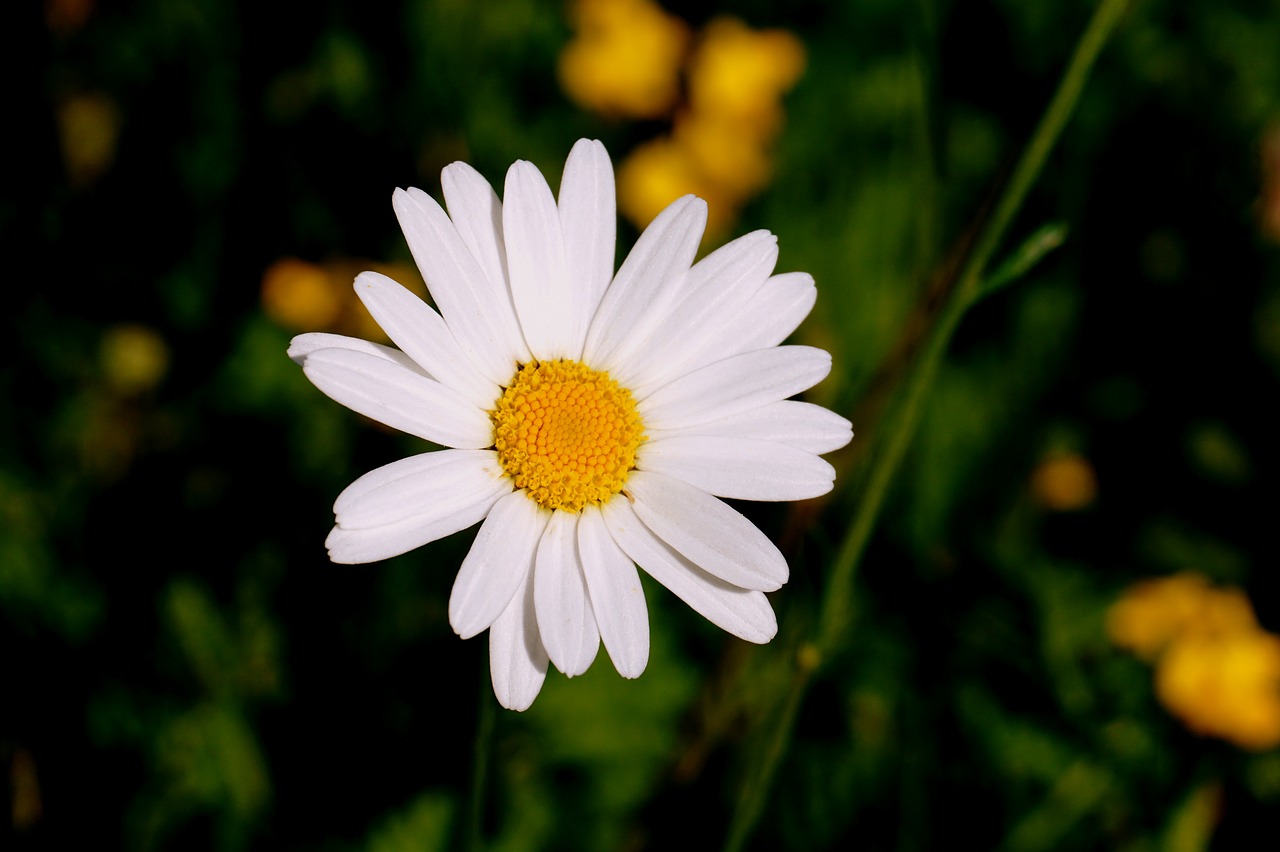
(566,433)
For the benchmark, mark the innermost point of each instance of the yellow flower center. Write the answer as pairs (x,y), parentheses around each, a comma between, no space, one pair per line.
(566,433)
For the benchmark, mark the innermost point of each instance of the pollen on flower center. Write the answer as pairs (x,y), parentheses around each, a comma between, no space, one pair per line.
(566,433)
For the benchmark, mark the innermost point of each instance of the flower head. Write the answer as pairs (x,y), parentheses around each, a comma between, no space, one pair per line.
(592,421)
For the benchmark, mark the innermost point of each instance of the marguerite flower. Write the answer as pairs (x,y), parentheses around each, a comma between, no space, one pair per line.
(592,421)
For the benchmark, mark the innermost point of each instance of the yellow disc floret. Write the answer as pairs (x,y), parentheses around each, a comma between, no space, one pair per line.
(566,433)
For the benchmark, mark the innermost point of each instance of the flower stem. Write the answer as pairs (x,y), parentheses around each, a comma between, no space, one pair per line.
(838,611)
(752,799)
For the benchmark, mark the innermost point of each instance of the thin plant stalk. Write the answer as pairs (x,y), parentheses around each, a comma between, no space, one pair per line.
(837,613)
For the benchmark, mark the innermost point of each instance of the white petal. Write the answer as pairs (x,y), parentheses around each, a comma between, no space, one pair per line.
(425,484)
(304,344)
(739,468)
(499,561)
(742,612)
(616,595)
(712,291)
(517,660)
(565,618)
(401,398)
(422,334)
(588,221)
(477,214)
(648,283)
(589,642)
(734,385)
(776,310)
(707,532)
(469,301)
(370,545)
(762,321)
(798,424)
(540,284)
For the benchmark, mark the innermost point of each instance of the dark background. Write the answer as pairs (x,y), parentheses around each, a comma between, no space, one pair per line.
(182,668)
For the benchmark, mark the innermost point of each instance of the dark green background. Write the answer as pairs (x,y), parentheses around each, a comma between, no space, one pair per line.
(185,669)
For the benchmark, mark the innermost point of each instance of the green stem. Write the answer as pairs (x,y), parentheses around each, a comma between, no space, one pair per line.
(1046,135)
(837,612)
(753,795)
(837,607)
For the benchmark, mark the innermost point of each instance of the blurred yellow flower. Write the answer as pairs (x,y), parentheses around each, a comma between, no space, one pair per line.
(1064,482)
(658,172)
(24,783)
(1152,613)
(736,162)
(741,74)
(299,295)
(134,358)
(625,58)
(1225,685)
(1216,669)
(88,127)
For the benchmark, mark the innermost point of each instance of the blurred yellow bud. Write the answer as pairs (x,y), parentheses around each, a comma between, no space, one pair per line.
(1225,685)
(1064,482)
(625,58)
(88,127)
(741,74)
(134,358)
(1152,613)
(27,807)
(301,296)
(1216,669)
(735,162)
(1224,611)
(660,171)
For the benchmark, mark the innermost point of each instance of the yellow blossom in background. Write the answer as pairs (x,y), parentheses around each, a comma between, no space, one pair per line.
(108,423)
(735,162)
(1225,685)
(134,358)
(88,128)
(1216,669)
(741,74)
(27,807)
(1064,482)
(658,172)
(1152,613)
(299,295)
(625,58)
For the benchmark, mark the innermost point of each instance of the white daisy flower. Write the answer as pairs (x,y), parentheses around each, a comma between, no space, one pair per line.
(590,420)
